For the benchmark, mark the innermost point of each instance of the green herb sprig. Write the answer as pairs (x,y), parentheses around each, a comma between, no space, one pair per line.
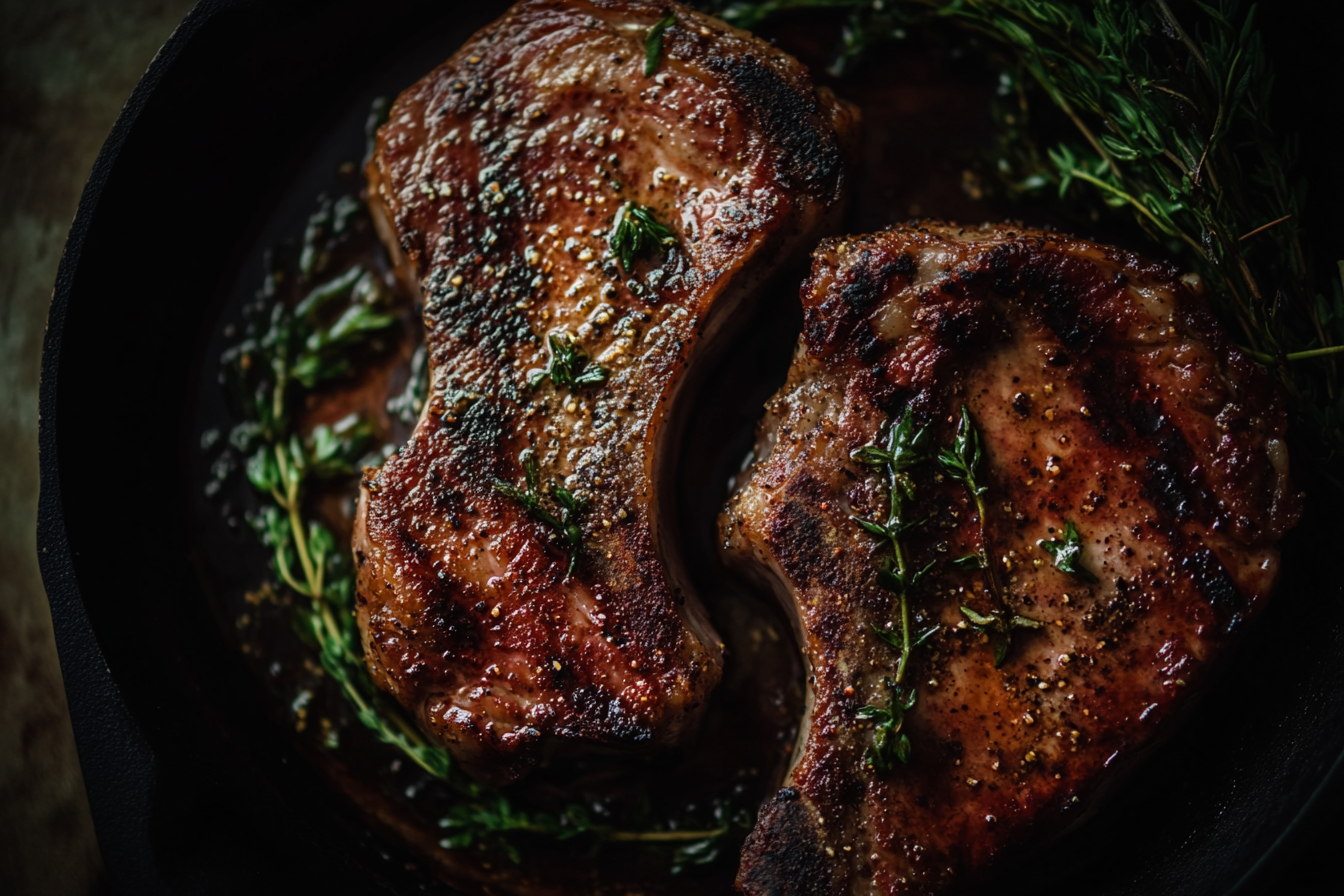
(568,366)
(961,463)
(635,232)
(903,448)
(1068,553)
(289,349)
(890,744)
(561,512)
(1173,126)
(493,821)
(999,626)
(653,44)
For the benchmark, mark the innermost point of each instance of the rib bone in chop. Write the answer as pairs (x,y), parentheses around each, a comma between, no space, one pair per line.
(497,181)
(1135,488)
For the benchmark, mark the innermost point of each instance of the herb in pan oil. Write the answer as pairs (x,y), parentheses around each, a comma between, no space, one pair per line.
(1173,127)
(636,232)
(961,463)
(653,44)
(289,349)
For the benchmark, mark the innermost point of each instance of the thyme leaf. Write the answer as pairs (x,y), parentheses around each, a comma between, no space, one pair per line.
(962,464)
(1068,553)
(999,625)
(653,44)
(890,744)
(561,512)
(969,561)
(569,365)
(636,232)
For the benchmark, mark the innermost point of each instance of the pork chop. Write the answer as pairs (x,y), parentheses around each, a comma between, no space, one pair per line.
(585,196)
(1066,411)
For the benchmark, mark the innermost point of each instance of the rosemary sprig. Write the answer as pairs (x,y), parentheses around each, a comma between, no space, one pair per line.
(568,366)
(653,44)
(961,463)
(1174,129)
(635,232)
(561,512)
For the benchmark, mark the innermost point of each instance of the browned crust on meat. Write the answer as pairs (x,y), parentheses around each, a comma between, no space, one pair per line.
(788,834)
(1108,395)
(494,181)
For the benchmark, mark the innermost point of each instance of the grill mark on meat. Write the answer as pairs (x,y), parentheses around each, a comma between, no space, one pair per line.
(809,156)
(1105,395)
(493,185)
(788,831)
(1215,584)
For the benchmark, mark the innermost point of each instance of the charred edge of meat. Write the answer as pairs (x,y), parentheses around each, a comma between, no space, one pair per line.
(790,118)
(783,855)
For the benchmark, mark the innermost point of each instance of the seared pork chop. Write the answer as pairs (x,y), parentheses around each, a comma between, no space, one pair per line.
(580,233)
(1135,489)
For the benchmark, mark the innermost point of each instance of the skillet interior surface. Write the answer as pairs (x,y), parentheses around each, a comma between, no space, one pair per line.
(193,786)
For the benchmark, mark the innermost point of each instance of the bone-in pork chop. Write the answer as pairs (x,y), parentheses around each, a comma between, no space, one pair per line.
(581,232)
(1133,482)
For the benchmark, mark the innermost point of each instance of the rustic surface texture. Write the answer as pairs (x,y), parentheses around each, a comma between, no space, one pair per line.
(66,67)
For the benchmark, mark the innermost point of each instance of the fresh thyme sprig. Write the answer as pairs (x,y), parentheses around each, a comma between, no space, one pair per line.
(288,350)
(1174,128)
(561,512)
(890,743)
(903,448)
(653,44)
(1068,553)
(635,232)
(568,366)
(961,463)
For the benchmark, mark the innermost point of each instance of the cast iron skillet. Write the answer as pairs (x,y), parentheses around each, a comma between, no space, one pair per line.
(192,788)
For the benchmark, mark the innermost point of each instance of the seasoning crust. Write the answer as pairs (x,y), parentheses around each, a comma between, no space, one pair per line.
(1105,396)
(496,184)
